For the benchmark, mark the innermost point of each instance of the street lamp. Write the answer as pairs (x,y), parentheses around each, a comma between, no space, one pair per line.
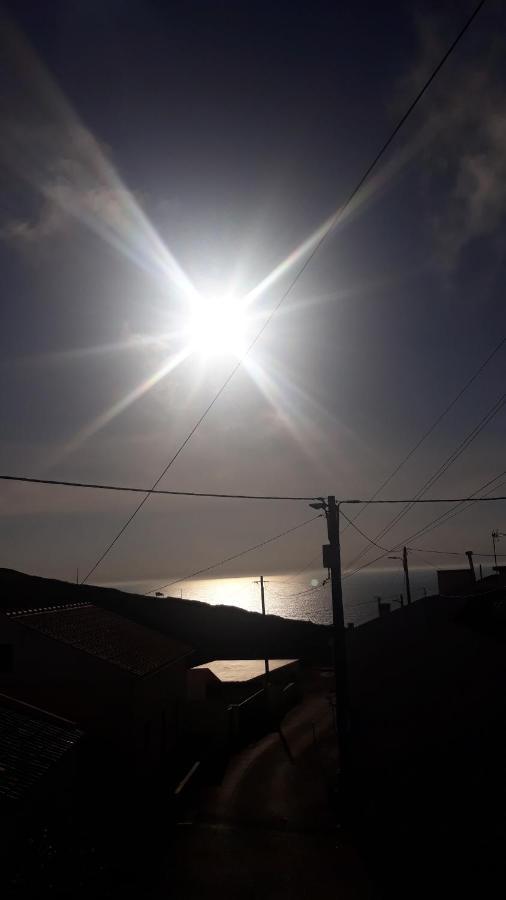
(320,504)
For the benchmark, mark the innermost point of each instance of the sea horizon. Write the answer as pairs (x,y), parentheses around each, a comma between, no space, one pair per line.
(302,596)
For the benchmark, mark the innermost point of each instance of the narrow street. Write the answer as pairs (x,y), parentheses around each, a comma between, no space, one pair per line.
(268,830)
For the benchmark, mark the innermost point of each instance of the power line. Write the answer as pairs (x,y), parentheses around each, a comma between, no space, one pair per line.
(320,587)
(144,490)
(470,437)
(311,590)
(53,482)
(427,562)
(435,523)
(426,500)
(364,535)
(464,444)
(237,555)
(295,576)
(454,552)
(333,222)
(455,510)
(434,425)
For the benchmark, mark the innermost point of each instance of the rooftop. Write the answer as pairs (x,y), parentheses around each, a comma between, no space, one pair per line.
(103,634)
(31,742)
(233,670)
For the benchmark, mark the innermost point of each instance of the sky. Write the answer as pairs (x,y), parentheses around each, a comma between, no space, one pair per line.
(156,158)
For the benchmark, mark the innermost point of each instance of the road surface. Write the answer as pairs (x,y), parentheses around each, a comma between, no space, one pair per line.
(267,831)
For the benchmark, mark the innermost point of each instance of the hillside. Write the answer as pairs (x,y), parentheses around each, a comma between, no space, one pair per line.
(214,631)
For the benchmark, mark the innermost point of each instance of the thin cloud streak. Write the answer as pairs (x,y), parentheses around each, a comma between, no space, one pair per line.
(465,146)
(47,146)
(120,406)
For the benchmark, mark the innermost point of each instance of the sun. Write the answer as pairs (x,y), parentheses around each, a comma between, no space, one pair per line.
(217,327)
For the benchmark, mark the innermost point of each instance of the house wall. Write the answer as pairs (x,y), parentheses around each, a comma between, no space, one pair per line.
(67,681)
(138,716)
(158,699)
(200,684)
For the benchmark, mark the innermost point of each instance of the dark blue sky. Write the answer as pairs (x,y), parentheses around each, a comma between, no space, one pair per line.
(238,128)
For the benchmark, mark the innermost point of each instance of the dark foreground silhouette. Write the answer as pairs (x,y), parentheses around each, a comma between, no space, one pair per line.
(422,813)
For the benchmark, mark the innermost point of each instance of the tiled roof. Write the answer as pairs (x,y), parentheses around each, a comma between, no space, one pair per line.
(104,634)
(30,744)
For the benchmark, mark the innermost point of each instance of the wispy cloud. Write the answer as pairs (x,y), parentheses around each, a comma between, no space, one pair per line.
(49,148)
(477,202)
(49,221)
(465,142)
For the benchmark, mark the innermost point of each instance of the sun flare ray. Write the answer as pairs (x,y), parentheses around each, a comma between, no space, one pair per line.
(44,141)
(106,417)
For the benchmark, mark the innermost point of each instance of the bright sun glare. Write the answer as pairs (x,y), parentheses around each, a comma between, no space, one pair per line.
(217,327)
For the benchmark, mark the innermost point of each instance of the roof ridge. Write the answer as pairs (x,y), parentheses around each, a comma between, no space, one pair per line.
(16,612)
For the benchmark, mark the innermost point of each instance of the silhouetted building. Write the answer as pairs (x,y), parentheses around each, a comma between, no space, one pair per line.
(496,580)
(37,760)
(227,701)
(122,682)
(455,582)
(428,706)
(235,679)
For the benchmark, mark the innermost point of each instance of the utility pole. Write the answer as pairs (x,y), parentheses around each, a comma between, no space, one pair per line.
(469,554)
(266,655)
(495,537)
(406,573)
(332,561)
(404,559)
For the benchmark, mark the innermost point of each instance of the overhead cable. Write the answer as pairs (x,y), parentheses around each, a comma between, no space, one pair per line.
(454,552)
(333,222)
(437,522)
(440,471)
(455,510)
(371,540)
(434,425)
(53,482)
(227,559)
(144,490)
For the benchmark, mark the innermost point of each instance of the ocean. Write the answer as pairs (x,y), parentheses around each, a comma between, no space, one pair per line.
(302,596)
